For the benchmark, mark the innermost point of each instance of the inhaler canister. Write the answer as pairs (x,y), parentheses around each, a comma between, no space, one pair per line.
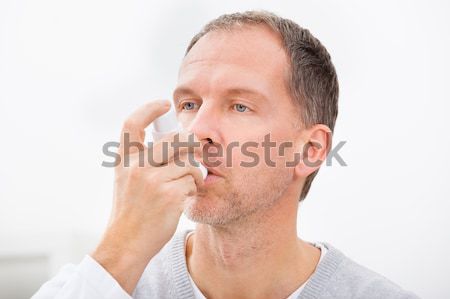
(167,124)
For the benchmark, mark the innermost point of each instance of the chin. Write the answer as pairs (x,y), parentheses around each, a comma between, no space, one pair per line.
(203,209)
(196,205)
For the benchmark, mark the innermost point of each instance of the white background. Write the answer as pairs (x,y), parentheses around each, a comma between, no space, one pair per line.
(71,71)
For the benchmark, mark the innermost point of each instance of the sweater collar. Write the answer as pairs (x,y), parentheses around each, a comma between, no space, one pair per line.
(313,288)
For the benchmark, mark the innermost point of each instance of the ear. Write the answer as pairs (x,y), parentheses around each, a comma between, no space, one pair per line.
(315,147)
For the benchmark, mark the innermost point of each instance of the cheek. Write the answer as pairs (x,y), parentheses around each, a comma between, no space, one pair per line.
(258,154)
(288,154)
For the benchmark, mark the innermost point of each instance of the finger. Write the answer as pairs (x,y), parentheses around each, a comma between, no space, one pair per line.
(176,151)
(178,190)
(187,185)
(135,159)
(173,146)
(174,172)
(133,131)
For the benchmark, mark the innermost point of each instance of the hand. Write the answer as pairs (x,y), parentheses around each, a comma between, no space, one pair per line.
(148,198)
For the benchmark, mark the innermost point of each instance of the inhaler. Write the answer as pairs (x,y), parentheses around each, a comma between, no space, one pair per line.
(167,124)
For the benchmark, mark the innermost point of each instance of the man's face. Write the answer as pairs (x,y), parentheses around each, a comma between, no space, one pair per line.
(232,88)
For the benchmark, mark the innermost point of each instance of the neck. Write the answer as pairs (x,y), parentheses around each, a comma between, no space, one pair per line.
(257,257)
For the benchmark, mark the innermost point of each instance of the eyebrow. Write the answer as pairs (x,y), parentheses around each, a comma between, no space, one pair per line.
(234,91)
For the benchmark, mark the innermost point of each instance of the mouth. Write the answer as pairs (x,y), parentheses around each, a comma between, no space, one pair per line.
(212,176)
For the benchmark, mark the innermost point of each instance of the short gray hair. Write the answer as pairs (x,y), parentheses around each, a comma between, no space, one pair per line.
(312,77)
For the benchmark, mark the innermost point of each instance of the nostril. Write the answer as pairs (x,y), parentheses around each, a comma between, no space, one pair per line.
(209,140)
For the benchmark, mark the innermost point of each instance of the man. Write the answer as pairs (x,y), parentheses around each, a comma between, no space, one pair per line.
(245,77)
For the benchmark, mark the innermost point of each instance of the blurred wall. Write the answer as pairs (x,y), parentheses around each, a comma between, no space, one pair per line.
(71,71)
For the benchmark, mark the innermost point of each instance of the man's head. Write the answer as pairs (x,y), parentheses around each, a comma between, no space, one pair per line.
(244,76)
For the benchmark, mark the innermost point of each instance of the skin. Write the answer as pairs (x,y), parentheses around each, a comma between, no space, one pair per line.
(245,244)
(247,247)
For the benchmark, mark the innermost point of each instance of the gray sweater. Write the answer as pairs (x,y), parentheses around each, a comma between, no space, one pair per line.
(336,276)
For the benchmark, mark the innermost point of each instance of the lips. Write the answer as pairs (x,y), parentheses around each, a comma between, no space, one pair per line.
(213,171)
(211,166)
(213,177)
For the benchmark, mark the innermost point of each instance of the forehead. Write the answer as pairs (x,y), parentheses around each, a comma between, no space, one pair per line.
(249,57)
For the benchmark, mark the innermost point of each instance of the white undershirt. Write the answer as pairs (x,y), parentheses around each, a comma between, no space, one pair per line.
(294,295)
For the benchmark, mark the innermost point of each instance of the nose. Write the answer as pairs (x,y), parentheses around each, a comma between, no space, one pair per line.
(205,125)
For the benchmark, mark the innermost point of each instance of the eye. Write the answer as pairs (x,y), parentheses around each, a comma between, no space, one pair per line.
(188,106)
(240,108)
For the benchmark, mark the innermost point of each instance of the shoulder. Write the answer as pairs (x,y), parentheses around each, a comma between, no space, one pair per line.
(338,276)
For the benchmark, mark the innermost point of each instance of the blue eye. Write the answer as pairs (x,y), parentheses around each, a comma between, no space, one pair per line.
(188,106)
(240,107)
